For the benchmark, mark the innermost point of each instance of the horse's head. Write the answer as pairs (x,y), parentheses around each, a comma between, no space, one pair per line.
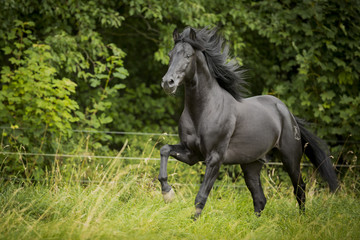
(182,64)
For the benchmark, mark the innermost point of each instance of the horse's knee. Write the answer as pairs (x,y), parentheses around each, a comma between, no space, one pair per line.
(165,150)
(213,160)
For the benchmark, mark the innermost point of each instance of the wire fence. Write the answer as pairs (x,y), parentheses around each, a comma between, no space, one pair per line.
(119,182)
(157,134)
(108,132)
(128,133)
(139,158)
(88,156)
(56,155)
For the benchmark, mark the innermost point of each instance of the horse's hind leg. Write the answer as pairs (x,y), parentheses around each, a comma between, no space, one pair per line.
(290,147)
(252,180)
(291,161)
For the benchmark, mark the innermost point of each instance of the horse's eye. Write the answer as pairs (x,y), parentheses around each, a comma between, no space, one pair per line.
(188,56)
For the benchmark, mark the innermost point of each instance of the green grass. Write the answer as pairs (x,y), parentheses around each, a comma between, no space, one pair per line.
(123,200)
(126,203)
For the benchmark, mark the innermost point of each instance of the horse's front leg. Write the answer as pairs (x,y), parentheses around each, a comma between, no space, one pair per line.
(180,153)
(213,163)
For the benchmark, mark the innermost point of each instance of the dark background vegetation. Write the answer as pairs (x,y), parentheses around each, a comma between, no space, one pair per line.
(97,65)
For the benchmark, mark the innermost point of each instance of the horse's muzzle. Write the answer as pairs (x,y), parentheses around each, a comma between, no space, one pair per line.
(169,85)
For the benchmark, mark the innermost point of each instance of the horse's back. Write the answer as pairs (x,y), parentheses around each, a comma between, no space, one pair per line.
(262,101)
(258,111)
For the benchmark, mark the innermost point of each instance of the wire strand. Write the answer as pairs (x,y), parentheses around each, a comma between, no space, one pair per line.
(118,182)
(164,134)
(109,132)
(144,158)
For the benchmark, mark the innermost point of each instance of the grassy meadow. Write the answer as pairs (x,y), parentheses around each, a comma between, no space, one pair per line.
(124,201)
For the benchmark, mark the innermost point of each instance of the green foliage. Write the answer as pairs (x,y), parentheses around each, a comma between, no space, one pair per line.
(50,44)
(314,58)
(97,65)
(31,95)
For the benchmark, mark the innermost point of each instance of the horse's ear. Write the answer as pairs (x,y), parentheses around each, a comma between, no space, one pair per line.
(192,34)
(176,35)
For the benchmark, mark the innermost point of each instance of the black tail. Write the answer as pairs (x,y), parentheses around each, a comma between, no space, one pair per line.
(317,152)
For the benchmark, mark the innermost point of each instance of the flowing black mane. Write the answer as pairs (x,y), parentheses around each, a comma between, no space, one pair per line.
(225,70)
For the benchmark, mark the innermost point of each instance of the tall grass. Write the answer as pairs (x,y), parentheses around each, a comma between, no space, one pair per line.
(124,201)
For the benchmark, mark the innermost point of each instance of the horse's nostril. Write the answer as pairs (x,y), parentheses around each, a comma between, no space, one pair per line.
(171,82)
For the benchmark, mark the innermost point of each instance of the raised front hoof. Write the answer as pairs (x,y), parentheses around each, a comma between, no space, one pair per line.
(169,196)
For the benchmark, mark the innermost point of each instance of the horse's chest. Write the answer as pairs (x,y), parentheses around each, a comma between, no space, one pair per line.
(192,142)
(190,138)
(206,132)
(200,142)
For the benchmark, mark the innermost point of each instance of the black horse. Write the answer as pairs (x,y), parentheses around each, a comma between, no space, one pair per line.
(219,126)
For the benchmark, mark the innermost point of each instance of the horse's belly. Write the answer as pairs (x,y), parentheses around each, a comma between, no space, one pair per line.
(246,149)
(243,155)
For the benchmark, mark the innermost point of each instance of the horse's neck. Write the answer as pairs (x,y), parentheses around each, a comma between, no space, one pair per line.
(202,90)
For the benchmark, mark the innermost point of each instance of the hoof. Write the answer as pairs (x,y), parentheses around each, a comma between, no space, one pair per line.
(169,196)
(197,214)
